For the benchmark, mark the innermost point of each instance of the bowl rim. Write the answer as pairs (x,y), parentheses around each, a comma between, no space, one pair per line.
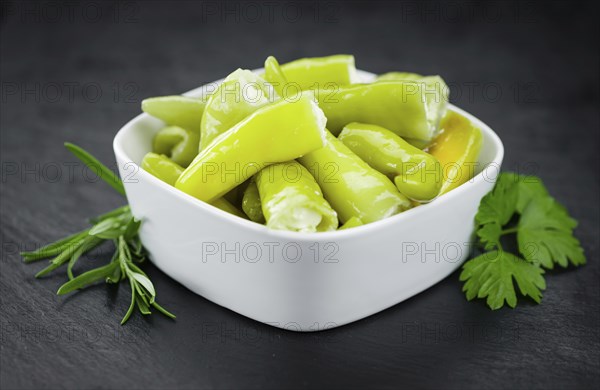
(372,227)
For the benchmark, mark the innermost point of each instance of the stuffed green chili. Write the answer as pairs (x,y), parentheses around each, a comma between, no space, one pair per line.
(292,200)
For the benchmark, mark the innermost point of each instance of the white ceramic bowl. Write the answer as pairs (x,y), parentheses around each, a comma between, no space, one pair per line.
(300,281)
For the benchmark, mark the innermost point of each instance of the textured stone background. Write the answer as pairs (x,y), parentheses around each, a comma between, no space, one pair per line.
(77,71)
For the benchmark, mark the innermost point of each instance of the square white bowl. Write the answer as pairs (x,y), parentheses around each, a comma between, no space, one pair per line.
(300,281)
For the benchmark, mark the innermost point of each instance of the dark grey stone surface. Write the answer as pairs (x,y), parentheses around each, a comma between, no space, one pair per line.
(77,71)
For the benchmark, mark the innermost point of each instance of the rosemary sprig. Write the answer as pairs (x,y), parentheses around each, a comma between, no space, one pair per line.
(117,225)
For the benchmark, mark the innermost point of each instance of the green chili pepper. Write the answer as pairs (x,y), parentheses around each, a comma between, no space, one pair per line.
(292,200)
(236,195)
(351,186)
(321,72)
(417,174)
(180,111)
(434,104)
(168,171)
(179,144)
(240,94)
(352,222)
(457,148)
(408,108)
(251,203)
(279,132)
(274,75)
(225,205)
(162,167)
(418,143)
(395,76)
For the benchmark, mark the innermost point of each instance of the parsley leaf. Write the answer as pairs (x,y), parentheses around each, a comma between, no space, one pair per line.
(489,235)
(499,205)
(530,187)
(491,275)
(545,235)
(496,209)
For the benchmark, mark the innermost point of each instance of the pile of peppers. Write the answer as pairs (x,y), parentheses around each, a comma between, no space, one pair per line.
(306,147)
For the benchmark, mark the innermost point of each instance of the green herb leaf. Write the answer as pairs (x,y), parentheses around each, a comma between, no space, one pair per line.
(113,213)
(65,255)
(491,275)
(545,235)
(143,307)
(55,248)
(132,228)
(102,170)
(118,225)
(131,305)
(499,205)
(163,310)
(496,209)
(87,278)
(530,187)
(108,229)
(489,235)
(115,277)
(86,247)
(144,281)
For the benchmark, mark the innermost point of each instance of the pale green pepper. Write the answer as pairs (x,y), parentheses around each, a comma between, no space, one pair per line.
(417,174)
(251,203)
(225,205)
(434,104)
(352,222)
(180,111)
(162,167)
(279,132)
(240,94)
(351,186)
(321,72)
(168,171)
(409,109)
(394,76)
(292,200)
(418,143)
(274,75)
(179,144)
(236,195)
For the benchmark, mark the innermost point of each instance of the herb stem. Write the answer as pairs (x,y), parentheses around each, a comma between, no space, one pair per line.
(117,225)
(509,231)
